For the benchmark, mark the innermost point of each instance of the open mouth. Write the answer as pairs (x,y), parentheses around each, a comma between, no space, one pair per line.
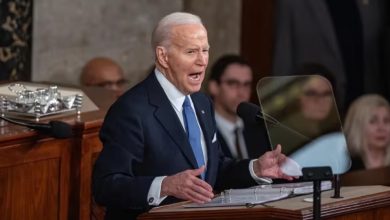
(195,76)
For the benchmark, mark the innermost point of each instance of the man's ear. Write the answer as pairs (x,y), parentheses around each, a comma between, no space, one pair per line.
(162,56)
(213,88)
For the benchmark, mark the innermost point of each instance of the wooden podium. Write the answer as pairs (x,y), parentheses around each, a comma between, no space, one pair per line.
(46,178)
(378,176)
(358,202)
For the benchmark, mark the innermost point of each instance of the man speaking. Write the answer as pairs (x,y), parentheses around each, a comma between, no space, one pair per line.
(159,138)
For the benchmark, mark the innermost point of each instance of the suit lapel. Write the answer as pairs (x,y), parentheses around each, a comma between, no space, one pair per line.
(205,119)
(167,117)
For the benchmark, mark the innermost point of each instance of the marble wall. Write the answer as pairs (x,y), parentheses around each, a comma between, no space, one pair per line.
(15,39)
(67,33)
(222,19)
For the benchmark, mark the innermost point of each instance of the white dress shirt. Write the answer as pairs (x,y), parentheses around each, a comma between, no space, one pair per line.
(176,98)
(227,130)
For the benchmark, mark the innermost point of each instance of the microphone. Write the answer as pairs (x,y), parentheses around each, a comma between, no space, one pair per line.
(251,112)
(56,129)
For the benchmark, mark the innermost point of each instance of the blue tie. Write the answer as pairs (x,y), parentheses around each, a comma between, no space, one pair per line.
(193,132)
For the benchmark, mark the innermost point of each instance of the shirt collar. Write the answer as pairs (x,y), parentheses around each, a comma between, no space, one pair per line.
(174,95)
(228,125)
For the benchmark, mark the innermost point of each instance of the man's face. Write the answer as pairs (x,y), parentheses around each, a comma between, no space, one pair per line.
(187,57)
(111,78)
(234,87)
(104,73)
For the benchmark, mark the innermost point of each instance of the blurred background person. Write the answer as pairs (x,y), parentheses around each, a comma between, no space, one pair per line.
(230,83)
(318,93)
(104,72)
(304,108)
(312,68)
(316,102)
(345,36)
(367,128)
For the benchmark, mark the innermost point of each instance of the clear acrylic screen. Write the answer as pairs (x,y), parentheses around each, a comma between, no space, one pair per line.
(300,113)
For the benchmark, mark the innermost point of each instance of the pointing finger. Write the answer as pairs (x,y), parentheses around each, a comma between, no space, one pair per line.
(278,149)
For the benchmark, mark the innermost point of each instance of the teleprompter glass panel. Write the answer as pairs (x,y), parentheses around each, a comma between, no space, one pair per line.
(300,113)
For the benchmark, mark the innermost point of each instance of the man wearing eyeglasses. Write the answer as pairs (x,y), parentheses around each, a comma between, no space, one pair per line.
(106,73)
(230,83)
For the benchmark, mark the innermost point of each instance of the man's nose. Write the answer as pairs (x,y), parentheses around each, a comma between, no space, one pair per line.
(243,92)
(202,59)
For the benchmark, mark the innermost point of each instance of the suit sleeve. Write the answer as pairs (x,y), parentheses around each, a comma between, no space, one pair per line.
(115,183)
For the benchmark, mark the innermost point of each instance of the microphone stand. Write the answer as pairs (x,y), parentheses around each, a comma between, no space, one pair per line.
(316,175)
(336,185)
(56,129)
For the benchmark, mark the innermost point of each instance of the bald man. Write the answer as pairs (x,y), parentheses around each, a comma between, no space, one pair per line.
(104,72)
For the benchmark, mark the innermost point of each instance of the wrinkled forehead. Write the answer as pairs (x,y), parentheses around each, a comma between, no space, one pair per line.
(188,33)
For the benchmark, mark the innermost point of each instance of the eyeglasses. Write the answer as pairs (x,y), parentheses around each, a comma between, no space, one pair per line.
(233,83)
(112,84)
(311,93)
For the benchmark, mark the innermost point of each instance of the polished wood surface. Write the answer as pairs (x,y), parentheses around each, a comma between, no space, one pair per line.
(379,176)
(35,179)
(359,201)
(364,202)
(46,178)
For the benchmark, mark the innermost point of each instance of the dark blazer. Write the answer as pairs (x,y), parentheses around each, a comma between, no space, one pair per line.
(143,138)
(256,140)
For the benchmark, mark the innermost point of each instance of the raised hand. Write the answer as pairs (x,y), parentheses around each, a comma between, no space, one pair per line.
(269,164)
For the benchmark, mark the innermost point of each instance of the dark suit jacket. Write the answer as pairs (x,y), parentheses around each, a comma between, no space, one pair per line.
(256,140)
(143,138)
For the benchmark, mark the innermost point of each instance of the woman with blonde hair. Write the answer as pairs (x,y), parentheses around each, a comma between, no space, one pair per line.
(367,129)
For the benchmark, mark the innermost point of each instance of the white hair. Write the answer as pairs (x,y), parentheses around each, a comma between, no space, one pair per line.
(161,33)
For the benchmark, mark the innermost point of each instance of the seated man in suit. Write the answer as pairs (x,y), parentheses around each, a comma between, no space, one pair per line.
(159,138)
(230,83)
(104,72)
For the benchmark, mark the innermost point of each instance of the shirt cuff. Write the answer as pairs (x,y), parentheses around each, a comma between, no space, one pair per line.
(259,180)
(154,198)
